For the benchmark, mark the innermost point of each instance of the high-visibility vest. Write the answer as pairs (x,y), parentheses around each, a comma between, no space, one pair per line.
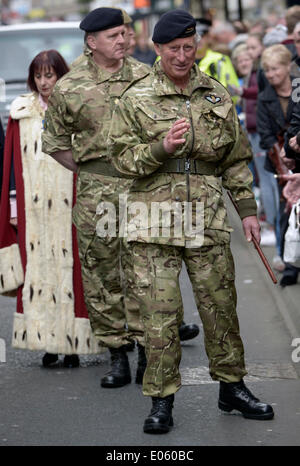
(220,67)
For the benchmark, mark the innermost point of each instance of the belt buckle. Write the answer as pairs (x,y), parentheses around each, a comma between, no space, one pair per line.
(187,166)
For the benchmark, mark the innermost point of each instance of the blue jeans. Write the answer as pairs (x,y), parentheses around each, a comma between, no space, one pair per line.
(268,185)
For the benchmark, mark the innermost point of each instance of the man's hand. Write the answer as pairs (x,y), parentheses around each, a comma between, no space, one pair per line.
(14,221)
(291,191)
(251,228)
(289,163)
(174,137)
(293,144)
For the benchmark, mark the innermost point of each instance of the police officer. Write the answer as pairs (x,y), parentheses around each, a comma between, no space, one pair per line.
(77,123)
(176,133)
(215,64)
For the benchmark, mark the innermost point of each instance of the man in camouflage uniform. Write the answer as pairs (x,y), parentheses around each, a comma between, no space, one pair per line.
(76,132)
(76,129)
(176,133)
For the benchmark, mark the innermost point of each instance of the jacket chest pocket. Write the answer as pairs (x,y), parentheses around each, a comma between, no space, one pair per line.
(212,131)
(156,122)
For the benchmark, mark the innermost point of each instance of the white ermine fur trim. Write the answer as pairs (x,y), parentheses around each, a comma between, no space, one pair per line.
(11,270)
(48,322)
(75,338)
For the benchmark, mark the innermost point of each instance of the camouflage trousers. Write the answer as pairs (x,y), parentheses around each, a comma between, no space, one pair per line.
(211,271)
(115,319)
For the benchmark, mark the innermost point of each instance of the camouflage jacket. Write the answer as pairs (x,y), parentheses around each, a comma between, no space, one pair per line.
(81,105)
(142,118)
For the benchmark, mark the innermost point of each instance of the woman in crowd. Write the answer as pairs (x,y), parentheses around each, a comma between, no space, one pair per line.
(243,63)
(38,257)
(274,112)
(255,48)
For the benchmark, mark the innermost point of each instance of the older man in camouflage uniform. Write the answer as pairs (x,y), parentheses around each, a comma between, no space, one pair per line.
(77,124)
(76,129)
(177,134)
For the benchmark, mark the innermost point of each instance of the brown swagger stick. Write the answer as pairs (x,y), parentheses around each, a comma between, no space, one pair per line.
(257,247)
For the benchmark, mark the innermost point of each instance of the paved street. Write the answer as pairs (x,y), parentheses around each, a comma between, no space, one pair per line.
(68,407)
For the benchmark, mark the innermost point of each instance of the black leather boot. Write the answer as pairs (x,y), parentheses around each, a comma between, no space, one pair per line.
(71,361)
(237,396)
(289,276)
(49,359)
(188,331)
(142,363)
(119,375)
(288,280)
(160,418)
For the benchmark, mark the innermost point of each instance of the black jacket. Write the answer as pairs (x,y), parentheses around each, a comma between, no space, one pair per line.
(293,130)
(294,126)
(270,119)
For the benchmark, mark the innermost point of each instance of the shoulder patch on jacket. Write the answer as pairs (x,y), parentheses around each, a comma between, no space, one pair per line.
(213,99)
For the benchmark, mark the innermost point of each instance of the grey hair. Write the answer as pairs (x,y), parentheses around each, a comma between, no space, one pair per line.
(87,34)
(197,39)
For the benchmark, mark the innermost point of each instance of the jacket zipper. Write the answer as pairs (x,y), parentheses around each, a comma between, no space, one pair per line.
(187,163)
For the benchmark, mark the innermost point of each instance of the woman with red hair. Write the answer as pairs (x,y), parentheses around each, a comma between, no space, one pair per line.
(38,256)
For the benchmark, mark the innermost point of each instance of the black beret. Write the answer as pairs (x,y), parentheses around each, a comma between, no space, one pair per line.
(101,19)
(172,25)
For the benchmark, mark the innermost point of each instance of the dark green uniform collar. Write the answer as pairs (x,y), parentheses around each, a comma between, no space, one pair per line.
(101,75)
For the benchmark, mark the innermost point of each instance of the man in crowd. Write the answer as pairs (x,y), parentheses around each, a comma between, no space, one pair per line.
(176,133)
